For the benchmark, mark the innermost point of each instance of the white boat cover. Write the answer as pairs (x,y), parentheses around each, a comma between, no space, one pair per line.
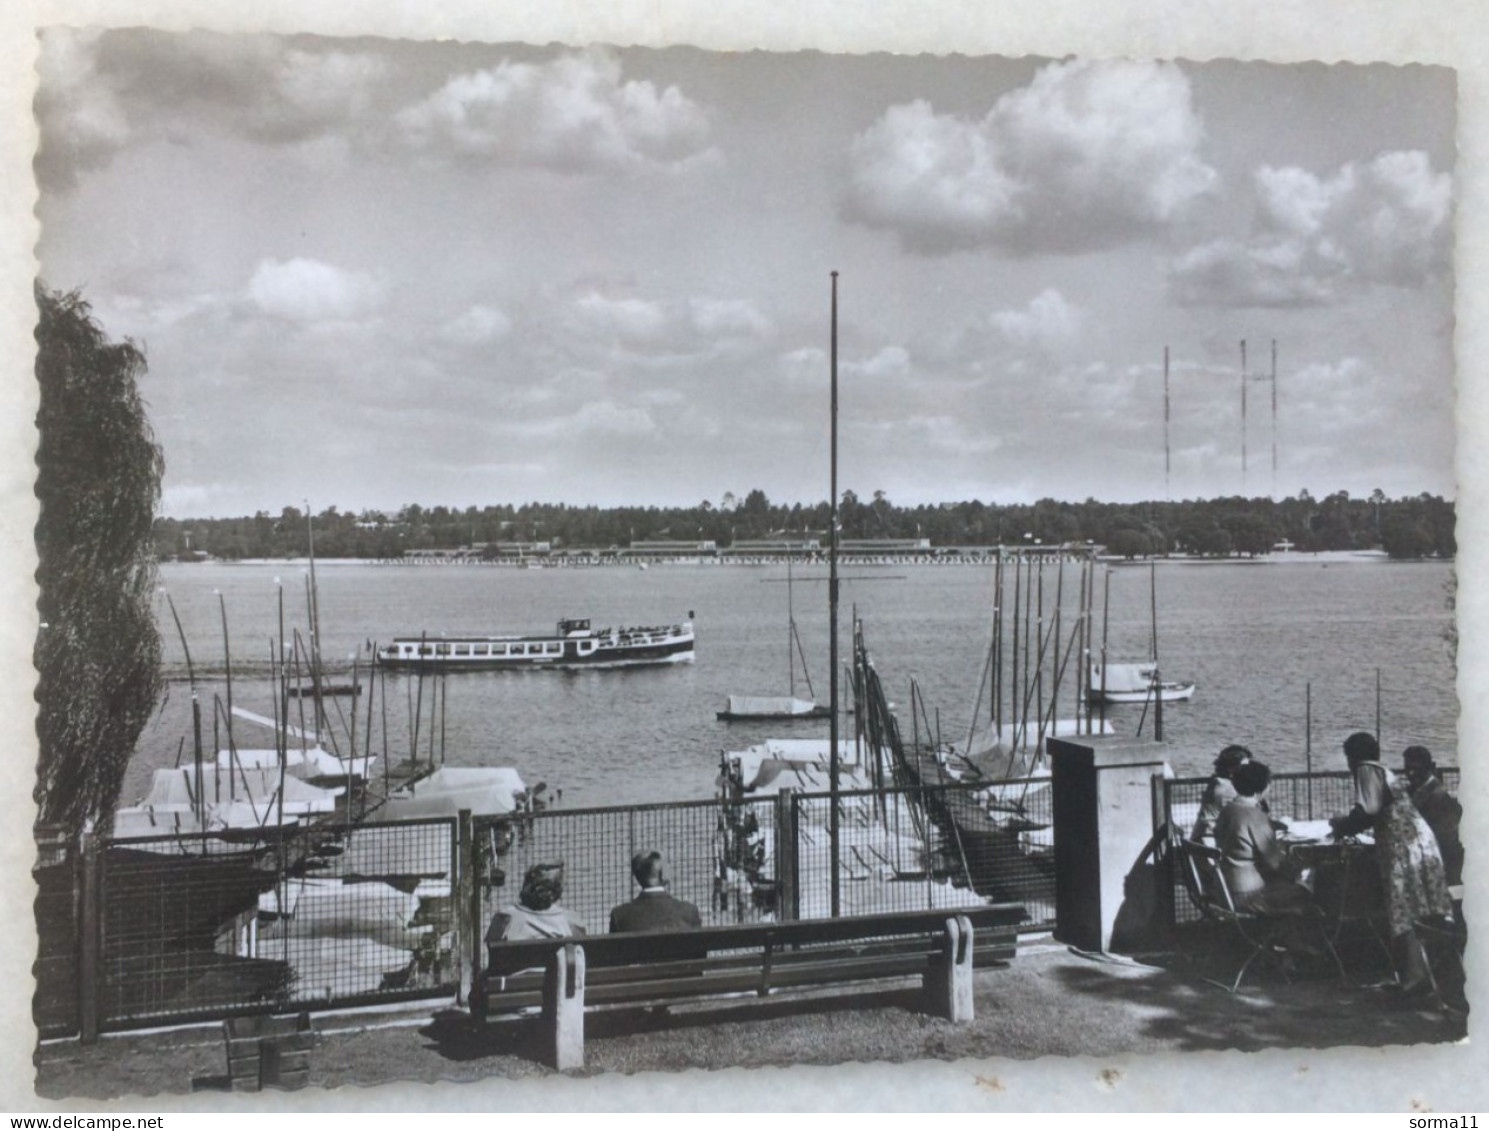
(1122,678)
(338,967)
(320,907)
(173,821)
(778,706)
(444,793)
(255,788)
(312,762)
(797,763)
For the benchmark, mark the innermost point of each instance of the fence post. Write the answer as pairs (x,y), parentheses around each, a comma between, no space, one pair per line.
(463,893)
(1163,860)
(788,898)
(89,943)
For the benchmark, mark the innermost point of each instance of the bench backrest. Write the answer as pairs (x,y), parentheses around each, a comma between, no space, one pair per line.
(661,946)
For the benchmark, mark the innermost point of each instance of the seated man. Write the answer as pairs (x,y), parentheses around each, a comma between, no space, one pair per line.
(1441,809)
(653,909)
(1443,814)
(1261,877)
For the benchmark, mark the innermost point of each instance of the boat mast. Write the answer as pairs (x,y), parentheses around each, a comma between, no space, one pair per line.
(1157,673)
(196,716)
(1308,742)
(1106,607)
(313,593)
(996,714)
(832,612)
(792,643)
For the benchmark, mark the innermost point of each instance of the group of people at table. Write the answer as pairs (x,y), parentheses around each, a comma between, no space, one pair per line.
(1414,825)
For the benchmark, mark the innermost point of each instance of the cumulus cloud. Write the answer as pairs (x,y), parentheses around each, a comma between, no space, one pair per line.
(1049,323)
(729,318)
(81,119)
(885,364)
(612,419)
(574,115)
(672,327)
(100,90)
(309,291)
(477,326)
(634,321)
(1086,156)
(1386,221)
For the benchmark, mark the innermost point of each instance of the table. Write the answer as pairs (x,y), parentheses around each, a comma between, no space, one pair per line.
(1346,884)
(1345,879)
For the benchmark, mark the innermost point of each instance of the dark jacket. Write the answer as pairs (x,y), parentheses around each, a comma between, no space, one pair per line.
(1443,814)
(654,911)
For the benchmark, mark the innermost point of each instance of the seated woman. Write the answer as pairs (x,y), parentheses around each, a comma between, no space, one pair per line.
(535,915)
(1261,877)
(1411,868)
(1219,792)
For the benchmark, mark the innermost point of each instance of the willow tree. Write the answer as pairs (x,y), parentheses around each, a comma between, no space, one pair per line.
(98,474)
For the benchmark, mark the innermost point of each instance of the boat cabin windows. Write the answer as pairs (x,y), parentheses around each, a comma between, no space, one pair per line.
(462,649)
(553,649)
(425,650)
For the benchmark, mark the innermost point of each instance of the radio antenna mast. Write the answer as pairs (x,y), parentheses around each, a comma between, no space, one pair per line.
(1274,418)
(1243,417)
(1167,489)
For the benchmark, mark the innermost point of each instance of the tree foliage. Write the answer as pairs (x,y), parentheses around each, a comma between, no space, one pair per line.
(98,472)
(1205,527)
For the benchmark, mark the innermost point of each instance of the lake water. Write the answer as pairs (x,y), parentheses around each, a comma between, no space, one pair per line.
(1253,637)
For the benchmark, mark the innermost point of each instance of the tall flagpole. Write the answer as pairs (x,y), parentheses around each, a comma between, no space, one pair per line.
(832,610)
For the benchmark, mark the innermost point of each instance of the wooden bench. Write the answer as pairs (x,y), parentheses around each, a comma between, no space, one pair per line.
(564,977)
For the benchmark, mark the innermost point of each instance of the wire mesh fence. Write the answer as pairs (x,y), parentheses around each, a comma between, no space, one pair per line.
(718,858)
(316,916)
(948,845)
(211,925)
(1290,798)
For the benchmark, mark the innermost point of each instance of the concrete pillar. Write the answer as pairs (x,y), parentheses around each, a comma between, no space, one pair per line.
(948,983)
(788,892)
(563,1006)
(1103,817)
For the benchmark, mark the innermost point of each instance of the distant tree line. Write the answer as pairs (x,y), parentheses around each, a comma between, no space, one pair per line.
(1411,527)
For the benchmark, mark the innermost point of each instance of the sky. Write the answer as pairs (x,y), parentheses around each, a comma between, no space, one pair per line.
(368,272)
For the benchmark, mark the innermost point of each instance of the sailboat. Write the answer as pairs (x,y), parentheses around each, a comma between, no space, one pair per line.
(780,708)
(1135,683)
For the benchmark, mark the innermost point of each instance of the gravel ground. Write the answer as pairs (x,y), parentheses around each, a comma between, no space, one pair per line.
(1050,1002)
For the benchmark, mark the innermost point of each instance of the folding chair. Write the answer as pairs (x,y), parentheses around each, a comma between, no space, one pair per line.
(1204,879)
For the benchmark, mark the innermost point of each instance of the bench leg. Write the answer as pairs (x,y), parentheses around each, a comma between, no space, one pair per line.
(948,983)
(563,1006)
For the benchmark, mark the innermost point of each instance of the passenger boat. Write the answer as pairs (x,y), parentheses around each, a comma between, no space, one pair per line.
(574,645)
(1133,683)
